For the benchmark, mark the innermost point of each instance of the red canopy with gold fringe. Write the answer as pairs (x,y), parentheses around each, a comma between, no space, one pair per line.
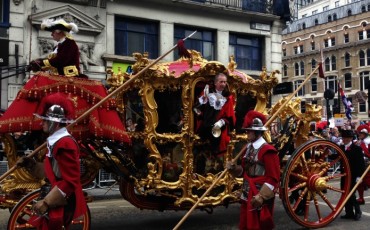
(103,122)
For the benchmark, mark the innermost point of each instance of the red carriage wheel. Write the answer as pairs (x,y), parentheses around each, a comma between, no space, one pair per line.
(311,183)
(22,212)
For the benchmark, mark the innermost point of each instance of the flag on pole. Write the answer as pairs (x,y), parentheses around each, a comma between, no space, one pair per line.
(321,70)
(347,104)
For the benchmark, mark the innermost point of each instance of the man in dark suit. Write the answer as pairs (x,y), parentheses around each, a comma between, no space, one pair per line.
(357,166)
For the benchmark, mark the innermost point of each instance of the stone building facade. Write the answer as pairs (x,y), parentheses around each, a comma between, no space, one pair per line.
(343,33)
(111,30)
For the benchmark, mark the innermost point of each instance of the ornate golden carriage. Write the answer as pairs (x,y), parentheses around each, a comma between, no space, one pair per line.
(168,166)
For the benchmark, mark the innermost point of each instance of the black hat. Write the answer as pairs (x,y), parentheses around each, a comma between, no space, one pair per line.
(347,133)
(59,24)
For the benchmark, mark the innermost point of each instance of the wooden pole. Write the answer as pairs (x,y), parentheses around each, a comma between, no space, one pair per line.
(100,103)
(351,192)
(270,120)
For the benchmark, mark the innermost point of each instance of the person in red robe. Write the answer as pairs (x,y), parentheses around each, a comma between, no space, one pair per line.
(216,114)
(260,169)
(65,200)
(65,59)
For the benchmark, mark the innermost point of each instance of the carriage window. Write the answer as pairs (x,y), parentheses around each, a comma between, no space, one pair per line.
(172,156)
(169,111)
(135,121)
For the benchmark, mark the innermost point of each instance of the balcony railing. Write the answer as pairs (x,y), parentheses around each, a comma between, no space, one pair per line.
(261,6)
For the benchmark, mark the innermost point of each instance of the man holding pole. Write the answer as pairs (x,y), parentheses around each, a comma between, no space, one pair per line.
(260,169)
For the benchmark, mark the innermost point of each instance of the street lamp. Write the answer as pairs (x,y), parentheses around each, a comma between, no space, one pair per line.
(328,95)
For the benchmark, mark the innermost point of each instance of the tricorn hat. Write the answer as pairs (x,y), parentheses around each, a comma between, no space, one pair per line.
(347,133)
(254,121)
(363,129)
(56,107)
(58,24)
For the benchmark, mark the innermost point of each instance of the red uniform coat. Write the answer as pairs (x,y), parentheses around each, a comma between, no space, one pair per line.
(251,218)
(68,55)
(65,153)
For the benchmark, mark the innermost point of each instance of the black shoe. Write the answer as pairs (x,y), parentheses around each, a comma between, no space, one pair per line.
(348,216)
(357,216)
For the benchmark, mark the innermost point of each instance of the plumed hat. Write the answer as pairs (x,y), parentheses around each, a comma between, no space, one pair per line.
(56,107)
(363,129)
(321,126)
(254,120)
(347,133)
(58,24)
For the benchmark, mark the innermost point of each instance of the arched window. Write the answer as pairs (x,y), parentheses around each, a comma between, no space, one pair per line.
(329,18)
(302,68)
(347,60)
(335,17)
(313,64)
(333,63)
(348,80)
(349,12)
(363,8)
(327,64)
(362,57)
(313,84)
(285,70)
(316,21)
(364,79)
(331,83)
(296,69)
(303,25)
(368,57)
(301,92)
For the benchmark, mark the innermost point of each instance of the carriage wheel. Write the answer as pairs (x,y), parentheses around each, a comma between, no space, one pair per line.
(22,212)
(311,190)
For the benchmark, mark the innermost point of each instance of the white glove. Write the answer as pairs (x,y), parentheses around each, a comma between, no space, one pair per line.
(206,91)
(219,123)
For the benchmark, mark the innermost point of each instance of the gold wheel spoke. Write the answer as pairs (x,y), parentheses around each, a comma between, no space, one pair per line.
(298,186)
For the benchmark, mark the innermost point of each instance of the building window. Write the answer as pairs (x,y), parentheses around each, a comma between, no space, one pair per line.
(333,63)
(316,21)
(296,69)
(331,83)
(362,107)
(314,12)
(329,18)
(327,64)
(132,35)
(335,17)
(362,58)
(361,35)
(285,71)
(284,52)
(301,92)
(349,12)
(346,38)
(363,8)
(303,25)
(337,4)
(301,50)
(247,51)
(347,60)
(313,84)
(329,42)
(313,64)
(295,49)
(347,80)
(4,13)
(364,80)
(312,45)
(368,57)
(202,41)
(325,8)
(368,7)
(302,68)
(304,15)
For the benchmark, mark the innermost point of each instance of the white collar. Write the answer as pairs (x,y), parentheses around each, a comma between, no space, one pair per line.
(347,145)
(61,40)
(57,135)
(258,143)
